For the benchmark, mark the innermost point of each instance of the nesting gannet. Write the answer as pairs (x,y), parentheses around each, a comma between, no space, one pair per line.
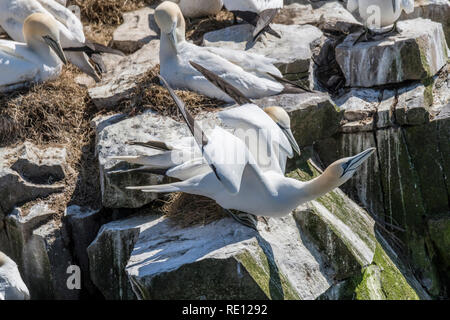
(199,8)
(259,13)
(82,53)
(235,181)
(250,72)
(12,286)
(37,60)
(378,14)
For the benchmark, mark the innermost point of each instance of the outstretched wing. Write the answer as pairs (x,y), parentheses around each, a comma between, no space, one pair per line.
(226,154)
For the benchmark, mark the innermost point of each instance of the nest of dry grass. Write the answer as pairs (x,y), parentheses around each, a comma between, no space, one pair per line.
(186,210)
(108,12)
(196,28)
(56,113)
(149,94)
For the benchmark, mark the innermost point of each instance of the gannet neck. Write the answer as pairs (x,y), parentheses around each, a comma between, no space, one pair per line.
(316,187)
(181,27)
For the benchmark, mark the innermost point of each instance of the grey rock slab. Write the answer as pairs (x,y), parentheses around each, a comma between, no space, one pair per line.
(292,52)
(436,10)
(419,51)
(111,141)
(330,16)
(138,29)
(224,260)
(120,80)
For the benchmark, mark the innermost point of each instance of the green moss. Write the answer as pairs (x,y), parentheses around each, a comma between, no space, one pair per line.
(428,93)
(393,283)
(261,269)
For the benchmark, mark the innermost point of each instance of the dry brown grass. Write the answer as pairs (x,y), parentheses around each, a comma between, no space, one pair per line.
(186,210)
(149,94)
(56,113)
(108,12)
(196,28)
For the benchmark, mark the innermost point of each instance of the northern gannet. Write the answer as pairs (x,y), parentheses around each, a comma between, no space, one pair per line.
(378,14)
(199,8)
(37,60)
(235,181)
(12,286)
(259,13)
(82,53)
(249,72)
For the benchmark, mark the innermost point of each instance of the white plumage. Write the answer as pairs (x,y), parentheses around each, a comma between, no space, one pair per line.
(380,13)
(12,286)
(256,6)
(246,71)
(38,60)
(14,12)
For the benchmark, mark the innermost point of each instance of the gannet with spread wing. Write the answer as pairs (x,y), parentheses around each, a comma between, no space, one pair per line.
(235,181)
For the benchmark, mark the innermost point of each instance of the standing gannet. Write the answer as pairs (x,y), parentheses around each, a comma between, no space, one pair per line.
(235,181)
(37,60)
(259,13)
(377,14)
(12,286)
(250,72)
(80,52)
(199,8)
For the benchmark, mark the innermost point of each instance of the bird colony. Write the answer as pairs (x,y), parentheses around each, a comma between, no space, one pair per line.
(303,98)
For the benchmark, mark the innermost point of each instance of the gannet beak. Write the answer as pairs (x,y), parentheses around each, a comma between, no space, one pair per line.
(356,161)
(56,47)
(290,136)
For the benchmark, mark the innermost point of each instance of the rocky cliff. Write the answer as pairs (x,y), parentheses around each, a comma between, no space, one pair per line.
(383,235)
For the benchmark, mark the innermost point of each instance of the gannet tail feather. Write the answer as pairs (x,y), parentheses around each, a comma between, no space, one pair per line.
(226,87)
(265,18)
(162,188)
(289,86)
(153,144)
(143,169)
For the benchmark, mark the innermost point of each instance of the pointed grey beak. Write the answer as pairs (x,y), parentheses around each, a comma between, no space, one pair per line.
(393,6)
(56,47)
(356,161)
(288,133)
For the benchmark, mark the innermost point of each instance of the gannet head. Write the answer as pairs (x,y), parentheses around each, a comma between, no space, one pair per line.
(170,20)
(342,170)
(40,28)
(281,118)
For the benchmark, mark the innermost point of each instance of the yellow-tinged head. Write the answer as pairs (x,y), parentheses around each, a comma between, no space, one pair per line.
(170,20)
(41,28)
(282,119)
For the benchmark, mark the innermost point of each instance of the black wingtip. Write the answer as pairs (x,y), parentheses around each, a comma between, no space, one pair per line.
(233,92)
(290,86)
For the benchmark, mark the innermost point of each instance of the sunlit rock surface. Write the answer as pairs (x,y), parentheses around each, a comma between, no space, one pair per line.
(418,52)
(138,29)
(300,256)
(292,53)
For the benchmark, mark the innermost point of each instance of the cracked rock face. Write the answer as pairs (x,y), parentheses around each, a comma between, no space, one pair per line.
(326,15)
(292,52)
(436,10)
(299,256)
(138,29)
(406,184)
(418,52)
(28,173)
